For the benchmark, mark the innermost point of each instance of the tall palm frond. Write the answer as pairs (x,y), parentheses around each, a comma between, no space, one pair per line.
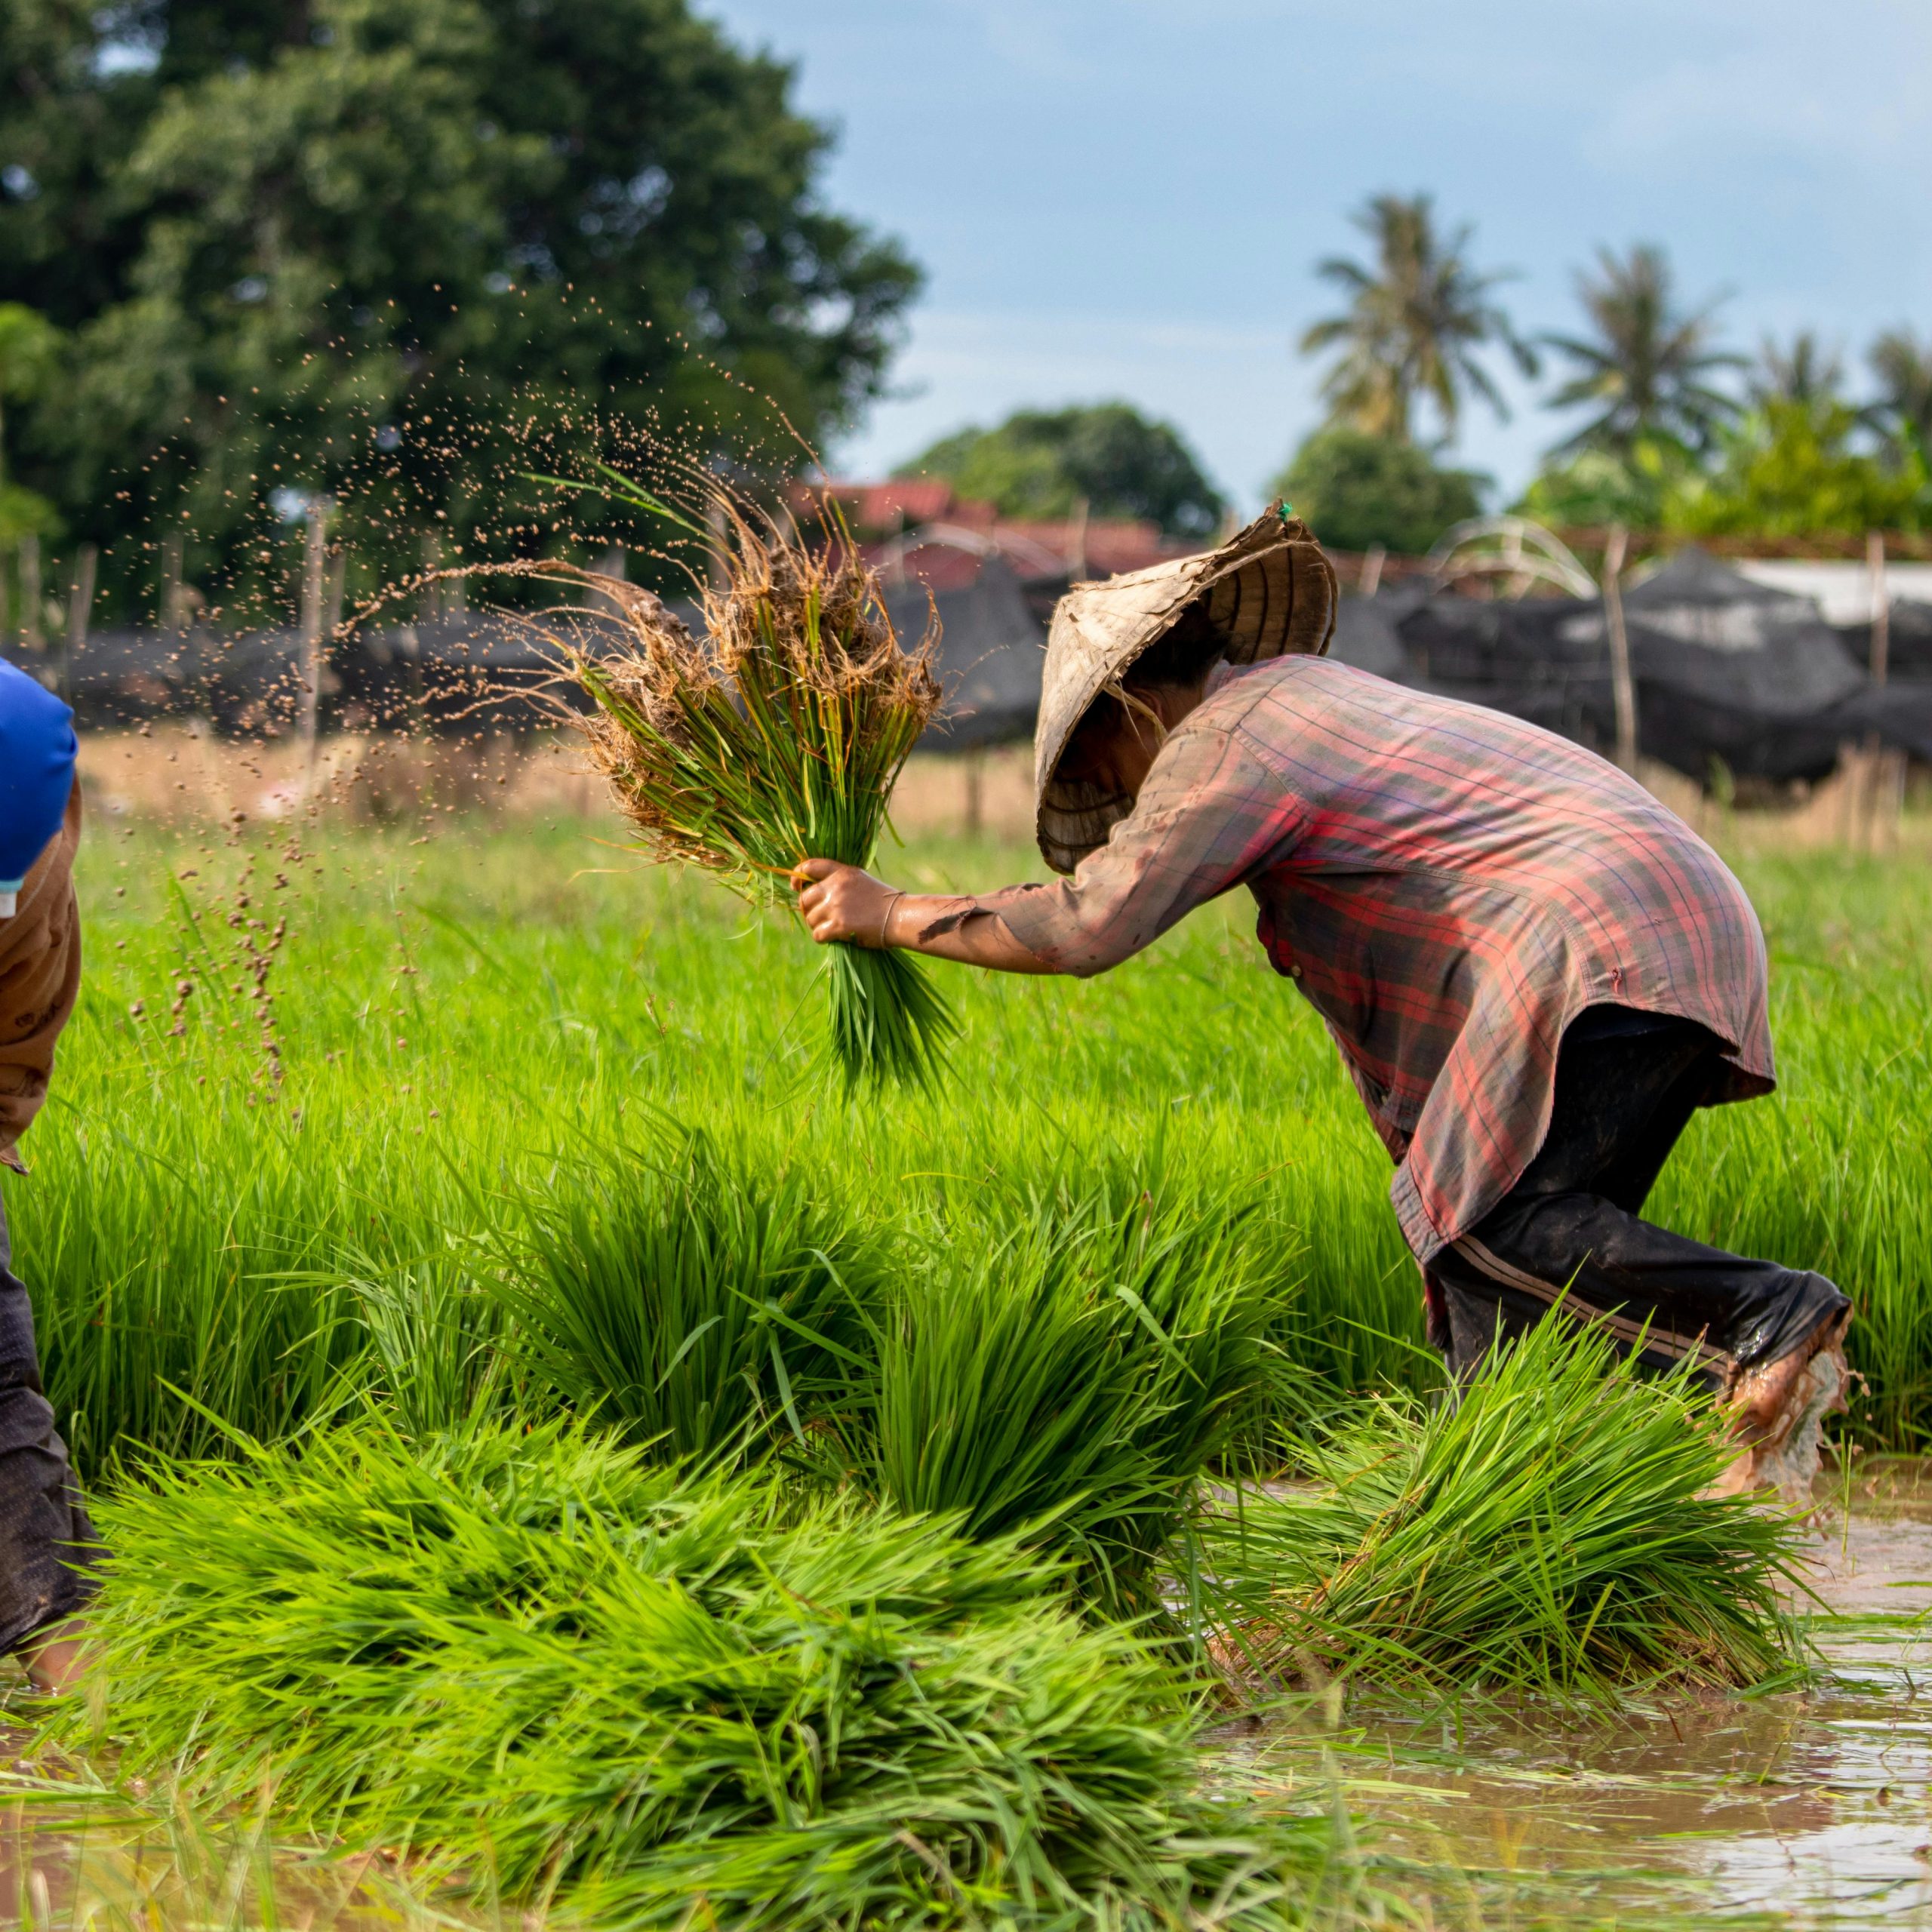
(1647,366)
(1806,372)
(1903,406)
(1412,324)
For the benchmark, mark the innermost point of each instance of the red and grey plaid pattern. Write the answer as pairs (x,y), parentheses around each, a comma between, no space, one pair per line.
(1449,887)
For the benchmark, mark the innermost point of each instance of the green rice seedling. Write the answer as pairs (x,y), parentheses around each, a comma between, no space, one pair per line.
(451,1013)
(776,737)
(546,1669)
(693,1303)
(1552,1530)
(1069,1384)
(177,1256)
(437,1337)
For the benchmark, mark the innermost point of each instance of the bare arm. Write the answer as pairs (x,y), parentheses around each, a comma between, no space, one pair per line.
(842,902)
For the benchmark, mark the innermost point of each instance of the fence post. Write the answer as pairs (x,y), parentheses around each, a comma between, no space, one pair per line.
(80,610)
(1885,779)
(1623,691)
(31,637)
(314,560)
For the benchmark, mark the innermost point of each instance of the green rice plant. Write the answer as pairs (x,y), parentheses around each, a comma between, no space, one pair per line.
(177,1256)
(691,1302)
(451,1013)
(1069,1383)
(436,1335)
(777,737)
(546,1669)
(1550,1530)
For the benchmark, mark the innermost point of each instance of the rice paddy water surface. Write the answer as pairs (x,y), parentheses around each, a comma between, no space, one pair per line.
(322,1079)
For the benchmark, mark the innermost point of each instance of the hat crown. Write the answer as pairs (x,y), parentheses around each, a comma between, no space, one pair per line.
(1268,592)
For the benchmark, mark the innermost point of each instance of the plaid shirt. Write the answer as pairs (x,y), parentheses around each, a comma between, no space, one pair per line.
(1448,886)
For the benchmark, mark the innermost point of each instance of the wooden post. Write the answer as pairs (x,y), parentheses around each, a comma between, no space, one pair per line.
(174,607)
(429,605)
(1878,797)
(1076,541)
(1623,690)
(1373,559)
(615,565)
(80,611)
(720,527)
(1881,660)
(974,757)
(32,636)
(313,563)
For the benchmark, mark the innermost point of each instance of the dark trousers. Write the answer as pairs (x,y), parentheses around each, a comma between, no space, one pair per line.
(1626,1084)
(46,1542)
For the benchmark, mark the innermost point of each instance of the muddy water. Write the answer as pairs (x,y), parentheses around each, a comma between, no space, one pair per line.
(1811,1809)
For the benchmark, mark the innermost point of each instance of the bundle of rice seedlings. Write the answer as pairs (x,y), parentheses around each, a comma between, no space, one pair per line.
(1069,1382)
(696,1302)
(1552,1530)
(546,1669)
(776,737)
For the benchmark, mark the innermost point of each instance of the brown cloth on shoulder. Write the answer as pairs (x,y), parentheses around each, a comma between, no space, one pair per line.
(40,977)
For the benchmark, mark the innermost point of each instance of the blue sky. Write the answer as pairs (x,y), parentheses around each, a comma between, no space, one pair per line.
(1128,197)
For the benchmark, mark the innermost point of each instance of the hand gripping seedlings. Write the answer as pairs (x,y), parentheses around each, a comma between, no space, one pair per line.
(775,737)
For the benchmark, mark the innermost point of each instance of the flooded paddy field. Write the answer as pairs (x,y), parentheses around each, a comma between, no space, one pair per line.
(1810,1806)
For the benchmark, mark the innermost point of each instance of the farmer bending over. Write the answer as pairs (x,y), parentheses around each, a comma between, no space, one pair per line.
(1534,970)
(46,1541)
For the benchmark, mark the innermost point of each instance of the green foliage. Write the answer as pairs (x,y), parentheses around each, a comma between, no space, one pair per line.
(1594,486)
(1414,322)
(29,355)
(350,247)
(548,1669)
(1354,489)
(1790,469)
(1646,367)
(697,1304)
(1902,411)
(1071,1382)
(180,1231)
(1041,463)
(1551,1528)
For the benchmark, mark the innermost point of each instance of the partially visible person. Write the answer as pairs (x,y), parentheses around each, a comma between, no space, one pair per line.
(48,1545)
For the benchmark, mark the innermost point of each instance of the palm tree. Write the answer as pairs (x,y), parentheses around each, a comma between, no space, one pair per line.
(1806,373)
(1412,324)
(1903,366)
(1648,366)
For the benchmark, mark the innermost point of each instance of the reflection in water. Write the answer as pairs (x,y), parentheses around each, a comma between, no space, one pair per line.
(1814,1808)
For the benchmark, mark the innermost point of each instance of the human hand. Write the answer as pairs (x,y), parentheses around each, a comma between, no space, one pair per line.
(843,902)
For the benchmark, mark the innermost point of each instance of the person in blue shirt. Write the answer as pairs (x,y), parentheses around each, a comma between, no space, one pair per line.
(48,1545)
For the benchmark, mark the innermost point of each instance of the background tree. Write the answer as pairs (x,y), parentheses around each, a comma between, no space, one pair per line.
(1903,409)
(1647,366)
(360,246)
(1356,490)
(1415,323)
(1805,372)
(1791,470)
(1634,485)
(30,355)
(1040,463)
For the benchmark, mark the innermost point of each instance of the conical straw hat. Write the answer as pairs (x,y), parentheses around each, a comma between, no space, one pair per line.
(1268,591)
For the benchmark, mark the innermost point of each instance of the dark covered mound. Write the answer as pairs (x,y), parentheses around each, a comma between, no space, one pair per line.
(1551,1530)
(549,1669)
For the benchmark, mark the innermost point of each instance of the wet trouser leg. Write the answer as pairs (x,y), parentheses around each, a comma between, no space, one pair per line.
(1626,1084)
(47,1544)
